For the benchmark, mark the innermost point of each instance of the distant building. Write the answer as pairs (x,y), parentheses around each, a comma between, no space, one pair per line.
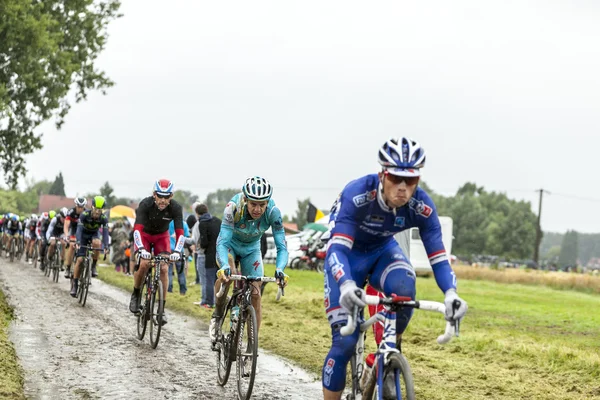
(53,202)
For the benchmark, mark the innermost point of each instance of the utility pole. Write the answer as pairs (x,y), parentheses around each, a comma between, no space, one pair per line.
(538,236)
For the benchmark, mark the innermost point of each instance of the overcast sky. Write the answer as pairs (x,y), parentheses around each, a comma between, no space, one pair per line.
(505,94)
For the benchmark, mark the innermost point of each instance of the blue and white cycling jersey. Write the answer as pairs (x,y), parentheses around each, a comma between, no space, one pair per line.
(240,235)
(361,221)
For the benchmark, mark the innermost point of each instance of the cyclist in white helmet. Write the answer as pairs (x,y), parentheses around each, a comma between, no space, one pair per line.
(70,231)
(246,217)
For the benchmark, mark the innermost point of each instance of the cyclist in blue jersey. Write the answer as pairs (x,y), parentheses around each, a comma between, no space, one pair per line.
(361,248)
(246,217)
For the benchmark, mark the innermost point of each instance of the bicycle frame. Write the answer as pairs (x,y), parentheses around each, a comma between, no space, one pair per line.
(387,345)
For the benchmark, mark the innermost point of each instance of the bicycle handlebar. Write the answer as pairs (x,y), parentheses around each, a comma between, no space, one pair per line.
(245,278)
(350,327)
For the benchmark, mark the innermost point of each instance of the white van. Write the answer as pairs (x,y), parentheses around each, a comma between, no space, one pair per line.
(411,240)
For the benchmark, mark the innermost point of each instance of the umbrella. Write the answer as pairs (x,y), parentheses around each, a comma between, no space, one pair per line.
(122,211)
(315,227)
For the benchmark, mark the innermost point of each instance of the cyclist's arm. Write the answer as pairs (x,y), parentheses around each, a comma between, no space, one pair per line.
(141,218)
(178,225)
(79,233)
(67,226)
(342,239)
(431,234)
(50,228)
(225,235)
(279,238)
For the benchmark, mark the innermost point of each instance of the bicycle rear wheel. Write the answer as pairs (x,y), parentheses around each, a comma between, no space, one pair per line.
(156,305)
(247,352)
(402,375)
(84,282)
(34,254)
(142,318)
(225,345)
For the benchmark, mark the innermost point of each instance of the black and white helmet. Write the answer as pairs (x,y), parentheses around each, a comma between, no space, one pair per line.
(257,188)
(402,156)
(80,201)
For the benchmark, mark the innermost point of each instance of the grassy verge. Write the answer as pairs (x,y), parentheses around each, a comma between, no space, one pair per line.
(11,376)
(557,280)
(517,342)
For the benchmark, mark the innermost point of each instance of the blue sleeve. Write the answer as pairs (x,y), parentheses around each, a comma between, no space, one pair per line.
(225,235)
(342,238)
(186,229)
(431,235)
(279,238)
(79,232)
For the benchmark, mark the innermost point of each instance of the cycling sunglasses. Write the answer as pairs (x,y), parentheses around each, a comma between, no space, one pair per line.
(163,196)
(396,180)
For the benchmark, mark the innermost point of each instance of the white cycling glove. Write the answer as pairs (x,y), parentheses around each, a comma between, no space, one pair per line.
(456,308)
(145,254)
(351,295)
(175,256)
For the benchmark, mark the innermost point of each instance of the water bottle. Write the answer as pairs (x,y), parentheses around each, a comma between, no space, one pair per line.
(235,311)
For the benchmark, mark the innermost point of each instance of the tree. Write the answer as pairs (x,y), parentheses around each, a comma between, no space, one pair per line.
(106,191)
(58,186)
(568,250)
(46,48)
(299,217)
(216,201)
(185,198)
(39,188)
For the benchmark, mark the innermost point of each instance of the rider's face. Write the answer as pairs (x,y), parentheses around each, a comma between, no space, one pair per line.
(256,208)
(96,212)
(162,201)
(78,210)
(397,191)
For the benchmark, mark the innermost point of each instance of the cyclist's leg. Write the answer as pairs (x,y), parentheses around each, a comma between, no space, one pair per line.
(162,245)
(222,301)
(69,256)
(251,266)
(51,246)
(394,274)
(96,244)
(342,347)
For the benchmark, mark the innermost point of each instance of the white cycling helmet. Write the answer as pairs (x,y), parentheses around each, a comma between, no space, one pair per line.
(402,156)
(64,211)
(257,188)
(33,216)
(80,201)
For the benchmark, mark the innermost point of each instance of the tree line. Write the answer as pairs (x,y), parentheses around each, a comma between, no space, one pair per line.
(484,222)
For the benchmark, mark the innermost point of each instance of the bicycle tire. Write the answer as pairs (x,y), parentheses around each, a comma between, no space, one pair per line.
(12,250)
(319,266)
(397,361)
(294,263)
(225,343)
(49,262)
(55,273)
(247,352)
(35,255)
(84,282)
(142,318)
(156,318)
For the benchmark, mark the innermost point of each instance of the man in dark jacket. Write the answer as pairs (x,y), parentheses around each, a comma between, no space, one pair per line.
(209,228)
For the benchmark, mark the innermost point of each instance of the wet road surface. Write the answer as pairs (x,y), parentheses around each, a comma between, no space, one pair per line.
(92,352)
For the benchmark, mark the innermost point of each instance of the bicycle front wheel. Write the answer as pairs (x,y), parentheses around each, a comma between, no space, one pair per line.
(55,272)
(225,341)
(84,282)
(397,376)
(156,305)
(142,318)
(247,352)
(12,250)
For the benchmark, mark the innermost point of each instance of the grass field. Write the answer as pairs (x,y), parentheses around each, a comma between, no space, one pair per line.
(11,376)
(517,341)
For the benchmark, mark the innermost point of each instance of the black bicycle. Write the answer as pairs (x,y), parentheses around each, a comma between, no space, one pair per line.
(239,341)
(53,264)
(151,305)
(85,275)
